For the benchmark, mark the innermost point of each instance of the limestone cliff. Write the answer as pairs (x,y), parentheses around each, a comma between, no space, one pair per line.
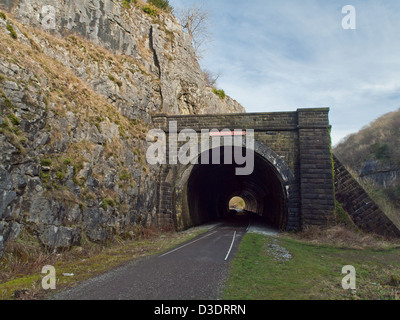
(76,105)
(158,71)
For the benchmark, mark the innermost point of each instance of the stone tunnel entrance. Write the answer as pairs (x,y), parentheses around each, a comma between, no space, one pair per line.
(292,184)
(211,187)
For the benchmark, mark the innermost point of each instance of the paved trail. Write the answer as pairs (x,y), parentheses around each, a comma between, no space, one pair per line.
(195,270)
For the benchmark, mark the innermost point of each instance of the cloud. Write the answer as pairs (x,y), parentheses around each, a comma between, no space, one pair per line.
(283,55)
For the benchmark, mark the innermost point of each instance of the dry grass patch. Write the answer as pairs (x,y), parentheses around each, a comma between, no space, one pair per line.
(344,237)
(63,87)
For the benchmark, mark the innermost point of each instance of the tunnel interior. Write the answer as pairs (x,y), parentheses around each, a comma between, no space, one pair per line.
(211,187)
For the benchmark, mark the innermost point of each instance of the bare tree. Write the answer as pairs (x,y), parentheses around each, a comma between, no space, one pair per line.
(195,20)
(211,78)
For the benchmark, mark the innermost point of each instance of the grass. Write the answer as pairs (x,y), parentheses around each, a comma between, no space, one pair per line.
(108,203)
(12,32)
(10,129)
(389,205)
(14,119)
(46,162)
(313,273)
(127,3)
(67,92)
(150,10)
(20,268)
(162,4)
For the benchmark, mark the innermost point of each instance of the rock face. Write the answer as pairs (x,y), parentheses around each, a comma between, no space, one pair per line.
(170,79)
(76,105)
(380,173)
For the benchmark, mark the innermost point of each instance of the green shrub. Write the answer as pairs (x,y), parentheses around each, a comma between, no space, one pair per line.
(220,93)
(7,103)
(381,152)
(124,175)
(3,16)
(150,10)
(44,177)
(162,4)
(128,3)
(46,162)
(108,202)
(10,29)
(14,119)
(67,161)
(60,175)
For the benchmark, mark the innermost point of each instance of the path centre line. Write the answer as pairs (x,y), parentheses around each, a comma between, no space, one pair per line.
(230,249)
(248,227)
(165,254)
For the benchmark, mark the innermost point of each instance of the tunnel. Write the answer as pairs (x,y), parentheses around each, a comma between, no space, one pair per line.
(211,186)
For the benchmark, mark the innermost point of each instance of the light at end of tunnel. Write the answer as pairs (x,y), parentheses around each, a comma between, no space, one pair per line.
(237,203)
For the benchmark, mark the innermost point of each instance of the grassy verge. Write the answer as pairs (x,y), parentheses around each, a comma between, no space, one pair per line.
(23,279)
(262,271)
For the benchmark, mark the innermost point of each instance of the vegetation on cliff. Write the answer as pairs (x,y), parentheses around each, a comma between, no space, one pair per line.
(377,141)
(76,107)
(373,157)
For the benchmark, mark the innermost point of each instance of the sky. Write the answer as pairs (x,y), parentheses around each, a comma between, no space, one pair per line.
(290,54)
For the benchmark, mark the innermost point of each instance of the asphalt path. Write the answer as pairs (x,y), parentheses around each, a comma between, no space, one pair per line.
(195,270)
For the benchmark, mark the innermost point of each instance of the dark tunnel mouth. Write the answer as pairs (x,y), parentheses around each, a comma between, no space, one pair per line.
(210,188)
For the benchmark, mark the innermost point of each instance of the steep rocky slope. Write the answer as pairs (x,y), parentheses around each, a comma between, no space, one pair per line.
(157,70)
(76,105)
(373,153)
(373,156)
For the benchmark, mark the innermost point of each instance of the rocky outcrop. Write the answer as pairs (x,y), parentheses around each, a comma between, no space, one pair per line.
(169,79)
(383,174)
(373,153)
(76,105)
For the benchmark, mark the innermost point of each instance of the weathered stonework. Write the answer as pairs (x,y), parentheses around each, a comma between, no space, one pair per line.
(316,183)
(362,209)
(295,145)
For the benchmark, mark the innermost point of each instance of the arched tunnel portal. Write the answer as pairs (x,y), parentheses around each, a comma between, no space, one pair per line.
(292,186)
(210,187)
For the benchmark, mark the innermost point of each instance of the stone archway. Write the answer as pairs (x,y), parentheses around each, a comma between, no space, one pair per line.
(201,192)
